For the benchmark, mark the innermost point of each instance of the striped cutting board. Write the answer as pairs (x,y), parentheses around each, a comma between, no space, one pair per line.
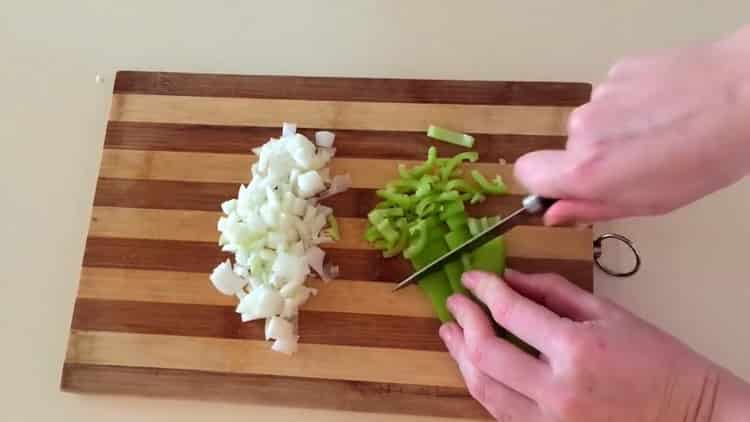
(147,320)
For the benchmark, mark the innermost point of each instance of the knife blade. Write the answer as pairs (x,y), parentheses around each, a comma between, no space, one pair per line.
(531,205)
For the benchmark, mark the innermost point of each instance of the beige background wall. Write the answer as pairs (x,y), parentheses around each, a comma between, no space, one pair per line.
(52,117)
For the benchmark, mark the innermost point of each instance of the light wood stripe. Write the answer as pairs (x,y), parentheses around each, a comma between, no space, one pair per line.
(256,357)
(235,168)
(523,241)
(490,119)
(347,296)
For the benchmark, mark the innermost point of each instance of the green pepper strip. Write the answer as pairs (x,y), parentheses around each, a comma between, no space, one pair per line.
(496,188)
(403,185)
(425,167)
(449,196)
(474,228)
(417,245)
(452,208)
(384,204)
(425,208)
(403,172)
(457,221)
(388,231)
(401,200)
(477,198)
(447,170)
(372,234)
(460,185)
(333,229)
(403,239)
(378,215)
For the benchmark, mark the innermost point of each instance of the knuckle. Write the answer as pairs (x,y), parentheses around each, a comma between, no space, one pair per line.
(476,352)
(600,91)
(623,65)
(585,172)
(477,388)
(568,405)
(504,309)
(579,121)
(578,345)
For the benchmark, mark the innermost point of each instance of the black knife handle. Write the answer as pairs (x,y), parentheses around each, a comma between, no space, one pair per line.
(537,205)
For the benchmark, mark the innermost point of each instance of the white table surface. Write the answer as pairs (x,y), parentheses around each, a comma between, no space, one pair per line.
(52,119)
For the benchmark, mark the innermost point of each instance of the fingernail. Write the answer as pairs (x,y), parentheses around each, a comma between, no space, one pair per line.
(470,279)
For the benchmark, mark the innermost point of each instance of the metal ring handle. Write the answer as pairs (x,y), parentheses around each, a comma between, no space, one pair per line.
(629,243)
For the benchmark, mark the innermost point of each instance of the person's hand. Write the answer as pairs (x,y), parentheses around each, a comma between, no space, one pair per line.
(660,132)
(597,361)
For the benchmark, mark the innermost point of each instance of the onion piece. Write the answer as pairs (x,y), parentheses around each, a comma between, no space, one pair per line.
(324,138)
(225,280)
(288,129)
(340,183)
(279,328)
(287,346)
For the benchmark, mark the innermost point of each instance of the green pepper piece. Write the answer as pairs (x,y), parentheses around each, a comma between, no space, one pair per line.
(474,228)
(425,167)
(403,239)
(418,242)
(490,257)
(378,215)
(477,198)
(453,271)
(437,288)
(451,137)
(495,188)
(447,170)
(401,200)
(388,231)
(449,196)
(452,208)
(372,234)
(460,185)
(456,221)
(333,229)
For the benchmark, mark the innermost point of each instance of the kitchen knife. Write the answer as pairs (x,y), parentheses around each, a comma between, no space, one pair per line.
(531,205)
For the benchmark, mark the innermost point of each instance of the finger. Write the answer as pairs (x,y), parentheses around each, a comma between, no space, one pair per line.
(569,211)
(494,356)
(556,293)
(502,402)
(547,173)
(529,321)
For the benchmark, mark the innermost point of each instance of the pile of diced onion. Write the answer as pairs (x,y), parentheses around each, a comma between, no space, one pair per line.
(274,228)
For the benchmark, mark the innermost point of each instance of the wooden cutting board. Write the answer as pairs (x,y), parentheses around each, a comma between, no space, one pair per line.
(147,320)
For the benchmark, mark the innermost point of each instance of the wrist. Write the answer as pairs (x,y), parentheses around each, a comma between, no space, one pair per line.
(732,399)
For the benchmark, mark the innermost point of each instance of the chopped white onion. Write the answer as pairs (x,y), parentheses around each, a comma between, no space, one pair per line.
(225,280)
(279,328)
(324,138)
(288,129)
(339,184)
(273,227)
(287,345)
(309,184)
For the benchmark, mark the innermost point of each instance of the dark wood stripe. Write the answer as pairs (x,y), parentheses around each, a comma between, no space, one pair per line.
(337,328)
(354,89)
(349,143)
(195,196)
(366,265)
(271,390)
(157,194)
